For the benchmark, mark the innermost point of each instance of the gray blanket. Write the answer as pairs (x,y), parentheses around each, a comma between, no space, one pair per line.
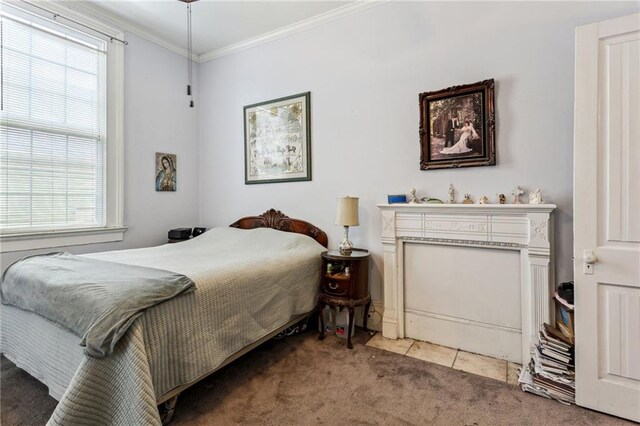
(95,299)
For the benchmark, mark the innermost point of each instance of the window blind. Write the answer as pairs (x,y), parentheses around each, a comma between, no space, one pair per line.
(53,126)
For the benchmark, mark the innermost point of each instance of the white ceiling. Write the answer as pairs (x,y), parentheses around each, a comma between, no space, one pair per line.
(218,25)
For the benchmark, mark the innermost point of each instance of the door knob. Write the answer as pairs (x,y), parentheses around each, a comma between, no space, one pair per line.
(590,257)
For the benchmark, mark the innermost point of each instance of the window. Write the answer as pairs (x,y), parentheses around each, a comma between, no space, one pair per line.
(57,148)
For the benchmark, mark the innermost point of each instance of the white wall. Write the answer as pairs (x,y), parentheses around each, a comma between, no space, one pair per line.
(365,73)
(157,119)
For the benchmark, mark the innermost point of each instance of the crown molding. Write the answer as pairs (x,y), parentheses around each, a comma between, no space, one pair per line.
(64,11)
(123,24)
(323,18)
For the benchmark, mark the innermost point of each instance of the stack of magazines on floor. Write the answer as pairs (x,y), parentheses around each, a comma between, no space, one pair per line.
(551,371)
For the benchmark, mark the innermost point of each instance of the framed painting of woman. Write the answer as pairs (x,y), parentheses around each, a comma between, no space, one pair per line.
(166,170)
(457,127)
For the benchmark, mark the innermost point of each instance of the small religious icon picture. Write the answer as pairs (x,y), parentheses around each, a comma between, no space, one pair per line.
(166,170)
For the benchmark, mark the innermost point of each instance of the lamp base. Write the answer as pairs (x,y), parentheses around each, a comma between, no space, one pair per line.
(346,251)
(346,246)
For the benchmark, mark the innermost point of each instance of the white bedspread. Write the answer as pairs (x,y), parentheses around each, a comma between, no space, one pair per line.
(249,283)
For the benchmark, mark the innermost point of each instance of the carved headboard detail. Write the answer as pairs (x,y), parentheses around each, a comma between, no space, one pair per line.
(277,220)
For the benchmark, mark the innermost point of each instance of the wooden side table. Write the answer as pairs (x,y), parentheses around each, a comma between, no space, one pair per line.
(345,283)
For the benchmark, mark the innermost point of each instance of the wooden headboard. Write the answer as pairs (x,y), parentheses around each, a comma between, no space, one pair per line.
(277,220)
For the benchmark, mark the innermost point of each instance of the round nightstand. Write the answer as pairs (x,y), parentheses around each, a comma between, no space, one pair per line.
(344,283)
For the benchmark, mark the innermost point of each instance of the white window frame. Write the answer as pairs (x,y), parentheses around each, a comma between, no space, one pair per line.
(115,227)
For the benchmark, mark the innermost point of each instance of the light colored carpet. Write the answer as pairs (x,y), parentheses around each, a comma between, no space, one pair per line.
(301,381)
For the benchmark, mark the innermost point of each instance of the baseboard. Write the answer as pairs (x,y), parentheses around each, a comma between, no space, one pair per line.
(375,315)
(471,336)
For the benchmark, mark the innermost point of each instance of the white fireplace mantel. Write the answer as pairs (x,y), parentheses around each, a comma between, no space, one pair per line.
(527,228)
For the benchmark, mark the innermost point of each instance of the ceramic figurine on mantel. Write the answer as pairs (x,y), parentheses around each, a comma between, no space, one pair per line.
(502,198)
(483,200)
(430,200)
(467,199)
(412,196)
(451,194)
(517,192)
(536,197)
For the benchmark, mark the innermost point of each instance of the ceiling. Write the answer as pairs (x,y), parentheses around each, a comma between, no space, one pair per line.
(218,26)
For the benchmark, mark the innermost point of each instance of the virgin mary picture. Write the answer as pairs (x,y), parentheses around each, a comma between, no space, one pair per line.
(165,171)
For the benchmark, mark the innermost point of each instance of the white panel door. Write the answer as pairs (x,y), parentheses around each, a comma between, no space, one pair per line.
(607,216)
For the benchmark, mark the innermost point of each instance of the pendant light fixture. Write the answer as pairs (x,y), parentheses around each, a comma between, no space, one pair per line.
(189,51)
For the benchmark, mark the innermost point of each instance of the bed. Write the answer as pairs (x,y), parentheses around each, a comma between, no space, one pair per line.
(253,282)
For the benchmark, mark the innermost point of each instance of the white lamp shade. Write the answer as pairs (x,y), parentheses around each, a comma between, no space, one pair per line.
(347,212)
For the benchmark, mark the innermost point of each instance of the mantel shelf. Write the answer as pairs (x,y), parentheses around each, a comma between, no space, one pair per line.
(484,208)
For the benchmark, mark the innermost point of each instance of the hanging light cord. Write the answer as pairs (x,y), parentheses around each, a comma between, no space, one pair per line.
(189,55)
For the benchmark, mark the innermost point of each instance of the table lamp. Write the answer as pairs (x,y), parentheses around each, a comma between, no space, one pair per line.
(347,215)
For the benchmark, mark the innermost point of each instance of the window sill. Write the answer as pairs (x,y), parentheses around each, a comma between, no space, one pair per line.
(63,238)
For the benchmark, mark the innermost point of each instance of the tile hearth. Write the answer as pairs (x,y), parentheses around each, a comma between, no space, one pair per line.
(480,365)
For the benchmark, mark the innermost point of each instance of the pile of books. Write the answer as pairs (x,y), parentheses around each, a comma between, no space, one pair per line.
(551,371)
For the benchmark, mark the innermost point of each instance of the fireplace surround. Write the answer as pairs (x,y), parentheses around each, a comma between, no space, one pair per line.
(524,228)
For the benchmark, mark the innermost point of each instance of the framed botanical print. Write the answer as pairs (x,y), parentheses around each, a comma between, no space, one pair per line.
(277,140)
(457,127)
